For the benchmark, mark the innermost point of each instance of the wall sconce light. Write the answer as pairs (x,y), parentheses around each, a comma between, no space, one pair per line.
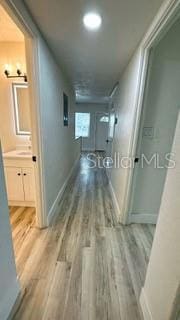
(7,72)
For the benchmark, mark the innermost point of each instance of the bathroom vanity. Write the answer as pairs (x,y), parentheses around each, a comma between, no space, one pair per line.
(19,175)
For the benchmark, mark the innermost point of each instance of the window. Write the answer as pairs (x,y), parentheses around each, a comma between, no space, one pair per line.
(82,124)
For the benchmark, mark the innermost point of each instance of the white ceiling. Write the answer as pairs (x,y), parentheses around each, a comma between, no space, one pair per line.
(9,32)
(93,61)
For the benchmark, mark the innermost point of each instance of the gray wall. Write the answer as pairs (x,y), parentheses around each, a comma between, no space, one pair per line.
(9,285)
(60,149)
(124,101)
(161,295)
(88,144)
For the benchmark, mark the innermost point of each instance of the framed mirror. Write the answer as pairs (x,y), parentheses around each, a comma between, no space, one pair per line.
(21,108)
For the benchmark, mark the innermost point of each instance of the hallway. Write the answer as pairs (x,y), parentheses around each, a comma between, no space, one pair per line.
(85,266)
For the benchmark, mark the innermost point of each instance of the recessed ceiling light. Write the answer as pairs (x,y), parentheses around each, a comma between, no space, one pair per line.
(92,21)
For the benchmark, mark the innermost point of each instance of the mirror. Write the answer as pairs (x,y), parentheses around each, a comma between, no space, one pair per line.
(21,108)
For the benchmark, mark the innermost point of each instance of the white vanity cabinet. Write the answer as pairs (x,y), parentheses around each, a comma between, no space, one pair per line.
(20,181)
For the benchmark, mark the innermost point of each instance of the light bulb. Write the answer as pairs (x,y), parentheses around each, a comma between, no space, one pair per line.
(92,21)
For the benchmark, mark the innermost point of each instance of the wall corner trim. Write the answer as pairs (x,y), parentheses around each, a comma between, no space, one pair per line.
(54,208)
(115,202)
(144,306)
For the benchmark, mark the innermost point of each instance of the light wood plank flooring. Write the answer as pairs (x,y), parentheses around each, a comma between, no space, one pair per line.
(22,221)
(85,266)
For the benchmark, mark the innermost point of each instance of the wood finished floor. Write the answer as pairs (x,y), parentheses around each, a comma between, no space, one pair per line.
(85,266)
(22,221)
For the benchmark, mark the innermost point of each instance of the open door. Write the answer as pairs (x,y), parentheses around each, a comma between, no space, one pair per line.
(111,129)
(102,120)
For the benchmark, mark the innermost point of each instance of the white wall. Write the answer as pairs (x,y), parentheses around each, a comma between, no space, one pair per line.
(60,150)
(159,295)
(9,286)
(10,53)
(162,104)
(88,144)
(124,101)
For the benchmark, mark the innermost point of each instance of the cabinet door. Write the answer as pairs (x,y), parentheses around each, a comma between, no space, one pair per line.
(29,184)
(14,184)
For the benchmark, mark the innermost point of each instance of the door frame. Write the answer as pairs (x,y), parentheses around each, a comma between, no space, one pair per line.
(139,141)
(167,15)
(32,61)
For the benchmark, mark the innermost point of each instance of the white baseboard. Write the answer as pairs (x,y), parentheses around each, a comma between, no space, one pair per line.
(9,300)
(88,150)
(144,306)
(55,205)
(143,218)
(115,202)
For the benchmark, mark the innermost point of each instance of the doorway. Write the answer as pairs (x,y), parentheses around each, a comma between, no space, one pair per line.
(157,128)
(32,69)
(19,137)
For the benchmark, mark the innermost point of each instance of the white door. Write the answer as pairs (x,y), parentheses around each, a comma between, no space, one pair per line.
(29,184)
(102,123)
(111,128)
(14,184)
